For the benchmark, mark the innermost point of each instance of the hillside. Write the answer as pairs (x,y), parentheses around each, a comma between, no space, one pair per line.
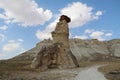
(82,49)
(88,53)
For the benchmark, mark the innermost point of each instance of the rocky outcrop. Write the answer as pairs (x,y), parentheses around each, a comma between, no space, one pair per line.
(94,49)
(82,49)
(58,53)
(46,57)
(114,47)
(88,49)
(113,75)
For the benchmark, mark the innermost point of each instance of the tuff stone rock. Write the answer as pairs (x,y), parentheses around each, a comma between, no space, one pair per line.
(80,48)
(59,52)
(46,57)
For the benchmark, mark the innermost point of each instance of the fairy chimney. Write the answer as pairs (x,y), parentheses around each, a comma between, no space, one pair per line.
(58,53)
(61,35)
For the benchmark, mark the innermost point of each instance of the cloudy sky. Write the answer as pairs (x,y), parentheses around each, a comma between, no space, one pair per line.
(23,23)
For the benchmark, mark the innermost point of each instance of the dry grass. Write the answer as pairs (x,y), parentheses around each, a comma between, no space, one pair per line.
(8,68)
(91,63)
(110,67)
(25,65)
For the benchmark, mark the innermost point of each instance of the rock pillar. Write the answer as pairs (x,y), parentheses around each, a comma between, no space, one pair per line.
(58,53)
(61,35)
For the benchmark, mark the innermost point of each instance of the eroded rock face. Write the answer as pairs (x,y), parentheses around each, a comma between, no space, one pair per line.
(92,49)
(115,47)
(61,35)
(46,57)
(81,49)
(59,52)
(88,49)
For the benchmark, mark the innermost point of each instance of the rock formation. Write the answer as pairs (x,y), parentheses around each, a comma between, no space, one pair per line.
(46,57)
(81,49)
(61,35)
(57,54)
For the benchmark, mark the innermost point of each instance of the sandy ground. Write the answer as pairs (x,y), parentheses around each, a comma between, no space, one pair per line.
(82,73)
(90,73)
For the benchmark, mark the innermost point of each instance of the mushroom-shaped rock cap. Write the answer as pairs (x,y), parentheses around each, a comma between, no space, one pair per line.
(64,17)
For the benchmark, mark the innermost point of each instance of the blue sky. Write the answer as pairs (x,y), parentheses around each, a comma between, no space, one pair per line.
(23,23)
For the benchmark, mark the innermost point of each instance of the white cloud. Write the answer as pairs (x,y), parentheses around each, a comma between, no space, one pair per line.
(81,37)
(11,46)
(43,35)
(2,37)
(89,30)
(3,16)
(99,13)
(4,27)
(24,12)
(20,40)
(108,34)
(79,13)
(97,35)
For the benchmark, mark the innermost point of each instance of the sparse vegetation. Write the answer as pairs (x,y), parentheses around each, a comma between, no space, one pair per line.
(11,69)
(110,67)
